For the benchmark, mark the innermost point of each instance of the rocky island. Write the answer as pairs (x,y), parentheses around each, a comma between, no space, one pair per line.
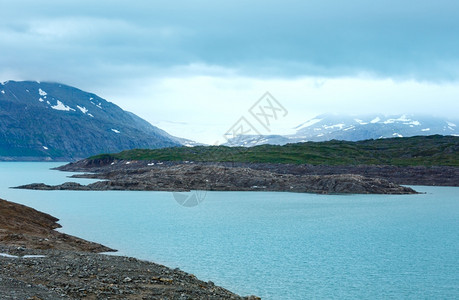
(180,177)
(37,262)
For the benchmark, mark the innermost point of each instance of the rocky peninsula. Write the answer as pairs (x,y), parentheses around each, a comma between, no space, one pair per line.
(186,176)
(22,226)
(37,262)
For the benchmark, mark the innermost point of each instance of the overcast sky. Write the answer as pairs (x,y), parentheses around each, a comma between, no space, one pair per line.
(195,67)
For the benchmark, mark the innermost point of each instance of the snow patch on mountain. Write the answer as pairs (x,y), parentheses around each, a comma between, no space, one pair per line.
(375,120)
(361,122)
(3,92)
(42,92)
(402,118)
(415,123)
(83,109)
(61,106)
(338,126)
(115,131)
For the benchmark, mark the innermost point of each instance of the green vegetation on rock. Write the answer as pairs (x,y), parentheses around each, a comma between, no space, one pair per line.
(433,150)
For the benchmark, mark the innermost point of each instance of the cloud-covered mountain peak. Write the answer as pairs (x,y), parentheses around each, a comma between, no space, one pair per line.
(358,127)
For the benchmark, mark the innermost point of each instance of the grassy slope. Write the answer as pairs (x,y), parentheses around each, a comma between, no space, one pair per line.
(422,150)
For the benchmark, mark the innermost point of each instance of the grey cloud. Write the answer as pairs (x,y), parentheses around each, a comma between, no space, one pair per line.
(88,40)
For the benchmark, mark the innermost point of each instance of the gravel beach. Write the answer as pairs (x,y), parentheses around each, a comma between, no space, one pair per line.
(58,274)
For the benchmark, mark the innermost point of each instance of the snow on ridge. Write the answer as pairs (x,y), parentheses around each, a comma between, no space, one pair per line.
(375,120)
(415,123)
(425,129)
(90,115)
(349,128)
(41,99)
(115,131)
(46,148)
(361,122)
(61,106)
(308,124)
(83,109)
(98,105)
(451,124)
(42,92)
(3,92)
(402,118)
(339,126)
(397,135)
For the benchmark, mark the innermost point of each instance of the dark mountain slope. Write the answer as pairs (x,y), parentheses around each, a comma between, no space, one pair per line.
(53,121)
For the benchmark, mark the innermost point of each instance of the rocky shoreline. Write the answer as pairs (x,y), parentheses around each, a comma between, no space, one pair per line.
(36,262)
(179,177)
(57,274)
(25,227)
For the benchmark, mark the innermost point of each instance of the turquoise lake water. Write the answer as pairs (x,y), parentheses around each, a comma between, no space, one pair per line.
(274,245)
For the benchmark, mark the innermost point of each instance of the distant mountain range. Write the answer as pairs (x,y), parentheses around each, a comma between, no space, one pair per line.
(52,121)
(356,128)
